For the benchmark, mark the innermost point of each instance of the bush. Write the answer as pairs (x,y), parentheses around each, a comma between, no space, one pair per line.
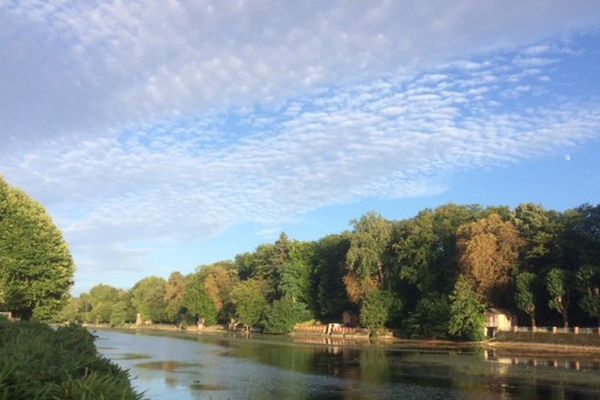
(429,319)
(283,314)
(39,362)
(376,309)
(467,320)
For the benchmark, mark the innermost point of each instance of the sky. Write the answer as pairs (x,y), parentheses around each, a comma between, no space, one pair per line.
(163,135)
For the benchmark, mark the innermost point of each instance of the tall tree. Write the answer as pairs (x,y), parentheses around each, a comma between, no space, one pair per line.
(558,282)
(36,268)
(369,243)
(488,250)
(148,298)
(197,302)
(524,294)
(219,280)
(467,320)
(250,302)
(174,296)
(588,282)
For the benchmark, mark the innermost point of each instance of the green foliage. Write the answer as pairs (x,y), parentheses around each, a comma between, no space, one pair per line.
(38,362)
(249,301)
(283,314)
(524,294)
(148,298)
(557,284)
(376,309)
(370,239)
(36,268)
(430,318)
(197,302)
(467,319)
(331,299)
(588,282)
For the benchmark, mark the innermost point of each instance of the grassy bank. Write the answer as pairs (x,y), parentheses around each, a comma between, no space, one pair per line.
(38,362)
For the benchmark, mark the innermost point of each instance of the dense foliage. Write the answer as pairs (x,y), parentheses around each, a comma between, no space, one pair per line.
(432,275)
(36,268)
(37,362)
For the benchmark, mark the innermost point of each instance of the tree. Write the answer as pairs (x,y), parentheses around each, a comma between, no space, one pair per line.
(557,283)
(430,318)
(219,280)
(148,298)
(540,228)
(488,250)
(588,282)
(365,258)
(174,296)
(376,308)
(467,319)
(250,302)
(524,294)
(283,314)
(36,267)
(197,302)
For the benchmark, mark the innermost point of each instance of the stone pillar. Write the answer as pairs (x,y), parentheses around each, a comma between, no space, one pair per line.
(138,319)
(576,330)
(553,329)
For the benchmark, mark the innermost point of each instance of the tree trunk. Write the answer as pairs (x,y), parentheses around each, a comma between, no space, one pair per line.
(565,318)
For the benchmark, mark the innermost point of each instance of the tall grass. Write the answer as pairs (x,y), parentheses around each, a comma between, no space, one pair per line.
(38,362)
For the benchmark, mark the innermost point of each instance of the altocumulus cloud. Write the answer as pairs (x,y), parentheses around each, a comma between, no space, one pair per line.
(169,121)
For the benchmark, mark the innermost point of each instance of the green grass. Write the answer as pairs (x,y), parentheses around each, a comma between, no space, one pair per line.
(38,362)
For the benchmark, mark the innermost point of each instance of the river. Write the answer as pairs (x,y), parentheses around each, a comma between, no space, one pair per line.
(176,366)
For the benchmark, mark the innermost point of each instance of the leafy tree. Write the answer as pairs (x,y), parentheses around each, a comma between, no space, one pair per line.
(365,258)
(539,226)
(148,298)
(197,301)
(430,318)
(557,284)
(488,250)
(250,302)
(524,294)
(376,308)
(467,319)
(219,280)
(283,314)
(174,296)
(331,296)
(588,282)
(36,268)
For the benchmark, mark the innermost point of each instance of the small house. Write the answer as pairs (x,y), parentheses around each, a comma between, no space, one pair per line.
(498,320)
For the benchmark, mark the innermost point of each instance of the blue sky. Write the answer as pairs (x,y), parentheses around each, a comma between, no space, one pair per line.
(164,135)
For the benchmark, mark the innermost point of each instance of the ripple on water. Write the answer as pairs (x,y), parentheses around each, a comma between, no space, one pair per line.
(131,356)
(207,387)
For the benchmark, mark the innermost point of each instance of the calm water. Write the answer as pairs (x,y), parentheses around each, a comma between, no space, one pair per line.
(216,367)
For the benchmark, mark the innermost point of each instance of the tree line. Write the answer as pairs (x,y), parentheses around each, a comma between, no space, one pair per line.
(433,275)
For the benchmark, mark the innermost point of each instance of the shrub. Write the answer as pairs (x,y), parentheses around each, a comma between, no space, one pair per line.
(467,320)
(376,309)
(283,314)
(430,318)
(39,362)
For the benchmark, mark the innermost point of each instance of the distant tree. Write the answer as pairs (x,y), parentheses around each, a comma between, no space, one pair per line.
(297,274)
(174,296)
(119,313)
(365,258)
(430,318)
(250,302)
(488,250)
(283,314)
(524,294)
(331,297)
(36,268)
(219,280)
(376,308)
(148,298)
(197,302)
(588,282)
(540,228)
(557,284)
(467,319)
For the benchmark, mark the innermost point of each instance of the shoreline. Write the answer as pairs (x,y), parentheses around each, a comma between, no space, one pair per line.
(522,348)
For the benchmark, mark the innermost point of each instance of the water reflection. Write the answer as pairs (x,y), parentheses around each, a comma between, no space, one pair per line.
(233,367)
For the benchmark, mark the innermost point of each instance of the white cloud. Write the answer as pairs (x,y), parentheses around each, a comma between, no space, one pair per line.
(141,125)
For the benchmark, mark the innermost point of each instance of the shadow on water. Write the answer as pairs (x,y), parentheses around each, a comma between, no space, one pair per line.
(267,367)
